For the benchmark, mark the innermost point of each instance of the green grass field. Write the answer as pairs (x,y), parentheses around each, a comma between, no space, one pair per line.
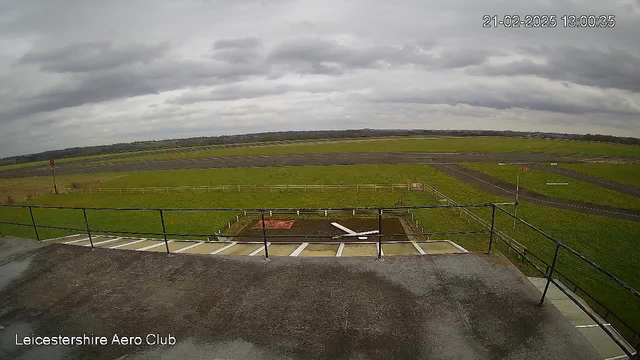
(624,173)
(609,242)
(536,180)
(466,144)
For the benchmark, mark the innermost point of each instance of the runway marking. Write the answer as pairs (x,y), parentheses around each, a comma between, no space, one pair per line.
(300,248)
(125,244)
(418,248)
(222,249)
(189,247)
(105,242)
(340,249)
(258,250)
(75,241)
(154,245)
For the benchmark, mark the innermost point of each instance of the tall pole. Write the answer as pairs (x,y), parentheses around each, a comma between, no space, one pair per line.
(164,232)
(515,211)
(379,234)
(33,221)
(53,172)
(493,226)
(264,236)
(86,224)
(553,267)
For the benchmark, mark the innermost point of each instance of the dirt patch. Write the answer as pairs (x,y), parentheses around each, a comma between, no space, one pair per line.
(323,227)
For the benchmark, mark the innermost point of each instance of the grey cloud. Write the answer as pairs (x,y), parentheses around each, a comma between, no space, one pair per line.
(245,91)
(92,56)
(516,95)
(244,43)
(593,67)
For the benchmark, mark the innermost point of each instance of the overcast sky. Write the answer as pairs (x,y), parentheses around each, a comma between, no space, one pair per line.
(76,73)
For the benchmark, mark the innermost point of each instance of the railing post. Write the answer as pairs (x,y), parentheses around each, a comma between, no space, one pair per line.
(164,232)
(379,234)
(33,221)
(264,236)
(493,226)
(86,224)
(553,266)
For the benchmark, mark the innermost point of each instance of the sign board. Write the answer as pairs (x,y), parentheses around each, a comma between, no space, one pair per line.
(524,168)
(554,164)
(52,163)
(417,186)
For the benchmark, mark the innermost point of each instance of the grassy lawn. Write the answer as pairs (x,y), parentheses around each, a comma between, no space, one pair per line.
(20,189)
(463,144)
(624,173)
(536,180)
(609,242)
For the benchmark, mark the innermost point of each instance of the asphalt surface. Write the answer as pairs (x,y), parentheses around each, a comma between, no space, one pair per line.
(466,306)
(290,160)
(499,187)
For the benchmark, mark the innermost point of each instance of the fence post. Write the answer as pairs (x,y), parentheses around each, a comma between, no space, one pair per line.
(553,266)
(379,234)
(264,236)
(33,221)
(493,226)
(164,232)
(86,224)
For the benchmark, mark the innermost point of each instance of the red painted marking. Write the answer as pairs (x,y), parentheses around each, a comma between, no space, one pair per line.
(275,224)
(525,169)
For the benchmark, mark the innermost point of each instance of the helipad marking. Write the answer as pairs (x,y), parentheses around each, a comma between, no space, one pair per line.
(418,248)
(222,249)
(106,241)
(75,241)
(300,248)
(340,249)
(154,245)
(189,247)
(258,250)
(125,244)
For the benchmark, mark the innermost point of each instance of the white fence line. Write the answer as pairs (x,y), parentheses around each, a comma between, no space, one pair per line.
(208,188)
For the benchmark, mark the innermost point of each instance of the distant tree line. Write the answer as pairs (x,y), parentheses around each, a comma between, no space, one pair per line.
(293,135)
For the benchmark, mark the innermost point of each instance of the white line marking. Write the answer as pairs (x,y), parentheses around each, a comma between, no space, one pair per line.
(591,325)
(258,250)
(617,357)
(300,248)
(418,248)
(340,249)
(222,249)
(154,245)
(105,242)
(126,244)
(189,247)
(457,246)
(62,237)
(75,241)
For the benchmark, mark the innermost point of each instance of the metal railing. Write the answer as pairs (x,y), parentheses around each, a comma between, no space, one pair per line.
(379,212)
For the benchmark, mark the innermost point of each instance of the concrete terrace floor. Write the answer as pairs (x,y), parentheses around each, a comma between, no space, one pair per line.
(458,306)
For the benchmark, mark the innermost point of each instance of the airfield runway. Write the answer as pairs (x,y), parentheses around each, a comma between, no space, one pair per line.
(443,161)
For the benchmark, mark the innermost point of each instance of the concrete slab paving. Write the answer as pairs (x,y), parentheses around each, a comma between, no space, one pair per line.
(240,249)
(399,249)
(205,248)
(320,250)
(439,247)
(118,242)
(360,250)
(279,249)
(572,312)
(139,245)
(173,246)
(601,342)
